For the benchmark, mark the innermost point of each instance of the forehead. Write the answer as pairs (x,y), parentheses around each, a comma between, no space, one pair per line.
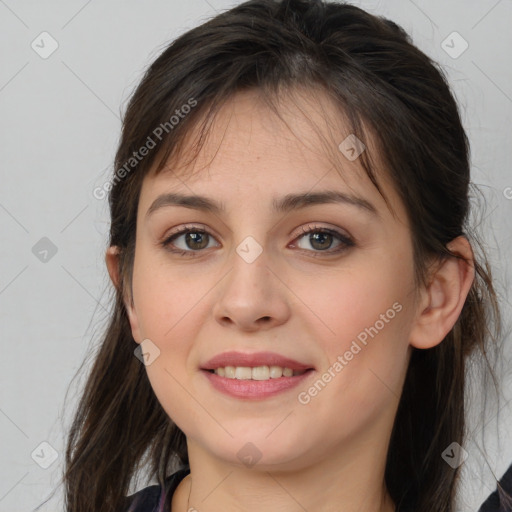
(303,145)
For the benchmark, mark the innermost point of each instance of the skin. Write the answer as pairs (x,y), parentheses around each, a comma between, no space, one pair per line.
(328,454)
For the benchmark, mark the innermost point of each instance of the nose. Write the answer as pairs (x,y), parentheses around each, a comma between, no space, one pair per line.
(251,296)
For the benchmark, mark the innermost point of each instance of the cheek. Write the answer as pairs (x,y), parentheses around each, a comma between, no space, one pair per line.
(354,303)
(168,307)
(366,317)
(165,298)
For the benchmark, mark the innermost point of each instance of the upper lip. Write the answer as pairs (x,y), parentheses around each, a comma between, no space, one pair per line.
(234,358)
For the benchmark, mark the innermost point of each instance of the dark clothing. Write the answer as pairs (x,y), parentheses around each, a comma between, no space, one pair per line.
(152,499)
(492,503)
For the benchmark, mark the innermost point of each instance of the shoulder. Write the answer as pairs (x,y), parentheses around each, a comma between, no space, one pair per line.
(153,497)
(497,503)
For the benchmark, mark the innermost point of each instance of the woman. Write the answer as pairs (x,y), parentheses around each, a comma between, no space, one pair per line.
(297,294)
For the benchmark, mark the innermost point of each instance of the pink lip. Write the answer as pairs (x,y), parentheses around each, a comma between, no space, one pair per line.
(234,358)
(254,389)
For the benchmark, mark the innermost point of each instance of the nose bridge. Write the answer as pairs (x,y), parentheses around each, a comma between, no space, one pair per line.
(251,290)
(250,273)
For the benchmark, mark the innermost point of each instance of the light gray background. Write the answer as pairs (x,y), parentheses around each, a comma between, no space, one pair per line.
(60,122)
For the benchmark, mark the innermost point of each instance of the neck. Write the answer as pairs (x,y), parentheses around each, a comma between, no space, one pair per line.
(330,485)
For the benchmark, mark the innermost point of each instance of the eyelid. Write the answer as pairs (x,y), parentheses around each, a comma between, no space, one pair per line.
(312,227)
(183,228)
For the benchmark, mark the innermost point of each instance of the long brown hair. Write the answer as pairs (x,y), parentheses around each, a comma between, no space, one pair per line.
(382,82)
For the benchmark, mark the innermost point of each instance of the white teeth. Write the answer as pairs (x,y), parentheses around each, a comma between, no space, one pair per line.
(287,372)
(243,373)
(229,372)
(260,373)
(256,373)
(276,372)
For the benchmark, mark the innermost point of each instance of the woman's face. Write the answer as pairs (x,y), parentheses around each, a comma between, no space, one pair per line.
(337,300)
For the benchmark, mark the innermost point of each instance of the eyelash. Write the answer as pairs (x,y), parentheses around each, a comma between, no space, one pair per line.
(346,242)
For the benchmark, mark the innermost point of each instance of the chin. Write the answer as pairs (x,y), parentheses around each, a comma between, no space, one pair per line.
(258,452)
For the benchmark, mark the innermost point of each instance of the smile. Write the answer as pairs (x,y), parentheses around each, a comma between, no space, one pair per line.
(255,373)
(248,388)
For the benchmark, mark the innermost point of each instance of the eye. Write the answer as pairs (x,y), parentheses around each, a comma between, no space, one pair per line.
(193,239)
(321,239)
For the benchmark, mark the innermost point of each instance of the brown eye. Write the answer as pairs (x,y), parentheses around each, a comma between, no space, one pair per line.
(188,240)
(194,240)
(322,239)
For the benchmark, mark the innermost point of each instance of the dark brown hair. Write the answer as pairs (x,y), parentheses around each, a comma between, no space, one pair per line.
(387,87)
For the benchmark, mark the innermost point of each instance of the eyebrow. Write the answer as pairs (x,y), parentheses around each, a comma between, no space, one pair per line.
(285,204)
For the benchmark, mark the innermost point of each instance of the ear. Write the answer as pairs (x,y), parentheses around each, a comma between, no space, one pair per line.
(442,300)
(112,261)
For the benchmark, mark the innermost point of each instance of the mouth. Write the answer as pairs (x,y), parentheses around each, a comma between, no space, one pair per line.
(258,373)
(255,365)
(255,383)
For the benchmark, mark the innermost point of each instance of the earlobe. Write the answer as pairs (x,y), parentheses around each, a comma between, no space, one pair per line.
(442,301)
(112,261)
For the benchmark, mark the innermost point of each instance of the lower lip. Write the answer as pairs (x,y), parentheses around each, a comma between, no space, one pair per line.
(254,389)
